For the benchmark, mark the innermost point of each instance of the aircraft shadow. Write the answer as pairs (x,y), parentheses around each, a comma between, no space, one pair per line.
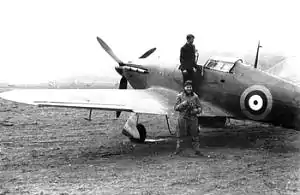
(271,139)
(268,139)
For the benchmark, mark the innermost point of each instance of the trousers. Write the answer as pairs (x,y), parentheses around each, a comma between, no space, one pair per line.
(188,127)
(188,75)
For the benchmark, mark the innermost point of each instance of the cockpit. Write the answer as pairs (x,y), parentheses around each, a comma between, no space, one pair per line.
(222,64)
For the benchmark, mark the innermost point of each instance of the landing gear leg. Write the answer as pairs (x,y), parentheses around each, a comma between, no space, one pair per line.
(90,116)
(167,119)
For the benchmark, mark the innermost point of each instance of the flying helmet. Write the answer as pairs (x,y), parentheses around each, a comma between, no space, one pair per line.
(188,82)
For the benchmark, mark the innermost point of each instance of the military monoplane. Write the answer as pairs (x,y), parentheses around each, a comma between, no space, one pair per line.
(227,86)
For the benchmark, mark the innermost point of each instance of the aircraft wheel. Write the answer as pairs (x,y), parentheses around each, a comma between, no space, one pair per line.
(142,131)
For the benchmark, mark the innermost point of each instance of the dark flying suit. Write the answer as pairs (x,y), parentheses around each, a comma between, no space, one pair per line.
(188,121)
(187,61)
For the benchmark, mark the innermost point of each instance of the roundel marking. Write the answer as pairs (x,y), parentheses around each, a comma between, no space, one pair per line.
(256,102)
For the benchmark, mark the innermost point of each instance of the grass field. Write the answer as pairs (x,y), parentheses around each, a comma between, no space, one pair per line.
(56,151)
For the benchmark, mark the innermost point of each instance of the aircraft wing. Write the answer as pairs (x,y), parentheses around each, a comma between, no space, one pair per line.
(150,101)
(159,101)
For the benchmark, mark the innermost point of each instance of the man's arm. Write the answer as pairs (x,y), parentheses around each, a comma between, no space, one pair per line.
(197,108)
(195,57)
(179,105)
(181,55)
(198,105)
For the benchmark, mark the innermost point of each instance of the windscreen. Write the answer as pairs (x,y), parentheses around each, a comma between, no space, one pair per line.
(222,66)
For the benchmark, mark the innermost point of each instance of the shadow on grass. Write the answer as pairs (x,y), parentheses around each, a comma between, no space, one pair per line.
(274,140)
(268,138)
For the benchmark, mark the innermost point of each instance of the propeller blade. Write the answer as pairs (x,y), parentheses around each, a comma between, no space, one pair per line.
(122,85)
(148,53)
(109,51)
(118,113)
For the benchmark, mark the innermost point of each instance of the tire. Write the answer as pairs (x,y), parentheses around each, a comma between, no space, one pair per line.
(142,131)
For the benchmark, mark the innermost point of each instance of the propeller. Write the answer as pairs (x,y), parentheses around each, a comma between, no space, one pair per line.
(123,82)
(148,53)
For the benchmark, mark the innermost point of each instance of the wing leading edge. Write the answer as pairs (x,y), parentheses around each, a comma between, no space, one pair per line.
(148,101)
(159,101)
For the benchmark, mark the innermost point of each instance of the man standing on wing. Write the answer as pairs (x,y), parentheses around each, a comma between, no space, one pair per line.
(188,58)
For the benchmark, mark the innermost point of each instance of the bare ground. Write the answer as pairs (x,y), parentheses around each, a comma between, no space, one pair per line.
(56,151)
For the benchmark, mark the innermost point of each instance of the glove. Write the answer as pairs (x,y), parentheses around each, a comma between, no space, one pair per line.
(196,111)
(185,103)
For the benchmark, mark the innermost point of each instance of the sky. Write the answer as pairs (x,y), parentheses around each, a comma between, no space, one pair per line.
(40,40)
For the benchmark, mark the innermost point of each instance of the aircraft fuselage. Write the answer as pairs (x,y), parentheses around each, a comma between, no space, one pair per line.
(244,93)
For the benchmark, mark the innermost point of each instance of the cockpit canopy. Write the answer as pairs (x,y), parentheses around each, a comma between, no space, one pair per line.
(223,64)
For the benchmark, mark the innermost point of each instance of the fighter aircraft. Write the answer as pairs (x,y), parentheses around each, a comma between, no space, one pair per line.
(227,87)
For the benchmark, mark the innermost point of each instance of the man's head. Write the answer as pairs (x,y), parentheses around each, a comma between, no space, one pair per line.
(188,88)
(190,38)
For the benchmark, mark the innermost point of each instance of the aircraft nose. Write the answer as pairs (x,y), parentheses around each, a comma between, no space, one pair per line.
(119,70)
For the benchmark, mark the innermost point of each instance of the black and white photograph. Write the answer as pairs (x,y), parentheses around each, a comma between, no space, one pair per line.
(152,97)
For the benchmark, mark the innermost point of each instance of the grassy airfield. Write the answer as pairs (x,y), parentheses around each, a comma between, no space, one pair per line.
(56,151)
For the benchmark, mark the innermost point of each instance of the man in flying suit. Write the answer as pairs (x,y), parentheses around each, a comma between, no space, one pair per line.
(188,105)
